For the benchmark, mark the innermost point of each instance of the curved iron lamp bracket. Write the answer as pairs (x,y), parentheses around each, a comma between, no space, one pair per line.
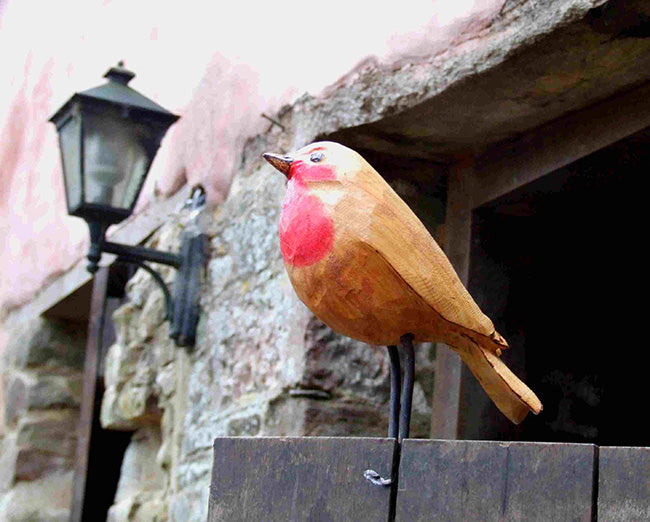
(169,305)
(182,303)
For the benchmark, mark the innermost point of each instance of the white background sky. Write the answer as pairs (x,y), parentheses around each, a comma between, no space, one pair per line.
(169,44)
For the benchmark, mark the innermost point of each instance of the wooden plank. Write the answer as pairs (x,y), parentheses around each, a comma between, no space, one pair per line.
(474,480)
(624,484)
(293,479)
(91,369)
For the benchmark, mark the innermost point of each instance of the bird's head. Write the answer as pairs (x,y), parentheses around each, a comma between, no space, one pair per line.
(319,162)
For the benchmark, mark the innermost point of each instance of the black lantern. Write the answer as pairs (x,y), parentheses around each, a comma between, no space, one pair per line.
(108,137)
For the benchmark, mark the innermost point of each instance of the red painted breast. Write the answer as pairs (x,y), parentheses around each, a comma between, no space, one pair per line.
(306,229)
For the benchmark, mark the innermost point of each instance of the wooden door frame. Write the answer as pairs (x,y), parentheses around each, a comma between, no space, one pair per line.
(502,168)
(91,371)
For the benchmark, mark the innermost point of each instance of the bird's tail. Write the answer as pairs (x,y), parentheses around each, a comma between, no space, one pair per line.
(506,390)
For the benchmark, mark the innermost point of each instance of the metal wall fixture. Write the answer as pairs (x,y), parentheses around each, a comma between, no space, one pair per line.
(108,137)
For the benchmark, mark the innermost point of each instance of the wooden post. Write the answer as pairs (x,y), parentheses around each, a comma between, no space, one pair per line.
(448,366)
(497,171)
(91,369)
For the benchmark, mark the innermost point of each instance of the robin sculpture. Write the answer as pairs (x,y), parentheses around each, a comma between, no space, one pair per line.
(364,264)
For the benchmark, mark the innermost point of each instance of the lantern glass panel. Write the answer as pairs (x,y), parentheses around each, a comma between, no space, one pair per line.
(70,142)
(115,159)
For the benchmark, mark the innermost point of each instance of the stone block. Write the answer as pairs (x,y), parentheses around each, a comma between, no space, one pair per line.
(126,321)
(337,363)
(33,463)
(152,316)
(17,399)
(166,380)
(337,418)
(51,431)
(56,391)
(47,499)
(245,426)
(8,452)
(129,407)
(284,416)
(48,343)
(356,372)
(44,443)
(132,395)
(40,391)
(120,364)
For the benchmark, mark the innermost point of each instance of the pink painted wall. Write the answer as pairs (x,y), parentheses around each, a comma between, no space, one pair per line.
(217,66)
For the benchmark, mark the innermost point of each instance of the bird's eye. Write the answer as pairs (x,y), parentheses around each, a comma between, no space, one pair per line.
(316,156)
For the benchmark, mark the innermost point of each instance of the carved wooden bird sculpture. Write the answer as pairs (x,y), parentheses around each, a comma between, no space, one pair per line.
(364,264)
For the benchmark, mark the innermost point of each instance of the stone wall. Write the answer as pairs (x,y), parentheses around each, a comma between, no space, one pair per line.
(263,364)
(42,380)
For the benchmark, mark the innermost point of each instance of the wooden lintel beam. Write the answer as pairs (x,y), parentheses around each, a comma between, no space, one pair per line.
(507,166)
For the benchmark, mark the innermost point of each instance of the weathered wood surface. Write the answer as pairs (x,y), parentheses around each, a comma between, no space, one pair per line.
(472,480)
(92,366)
(294,479)
(624,484)
(458,232)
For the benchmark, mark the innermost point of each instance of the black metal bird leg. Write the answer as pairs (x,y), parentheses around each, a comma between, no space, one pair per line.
(399,409)
(395,385)
(407,387)
(401,403)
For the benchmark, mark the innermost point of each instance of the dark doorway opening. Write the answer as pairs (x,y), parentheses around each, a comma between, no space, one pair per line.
(559,266)
(107,447)
(105,457)
(100,452)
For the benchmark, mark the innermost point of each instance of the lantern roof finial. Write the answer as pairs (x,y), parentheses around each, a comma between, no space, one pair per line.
(117,93)
(119,74)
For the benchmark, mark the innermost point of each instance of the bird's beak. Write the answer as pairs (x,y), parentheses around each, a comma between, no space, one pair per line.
(282,163)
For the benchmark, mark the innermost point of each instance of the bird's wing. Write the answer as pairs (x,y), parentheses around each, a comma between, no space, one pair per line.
(391,228)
